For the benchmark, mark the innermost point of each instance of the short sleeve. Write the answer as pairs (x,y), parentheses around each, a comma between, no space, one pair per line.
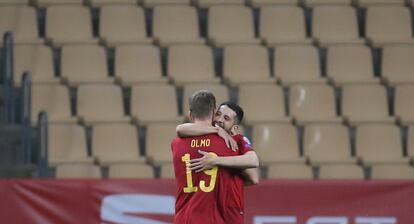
(244,144)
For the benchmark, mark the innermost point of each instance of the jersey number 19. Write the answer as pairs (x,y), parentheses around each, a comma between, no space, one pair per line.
(190,188)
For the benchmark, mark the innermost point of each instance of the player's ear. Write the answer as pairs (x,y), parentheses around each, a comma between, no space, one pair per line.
(212,114)
(235,129)
(189,117)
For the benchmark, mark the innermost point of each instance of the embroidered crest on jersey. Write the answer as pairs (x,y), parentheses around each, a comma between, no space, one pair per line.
(249,144)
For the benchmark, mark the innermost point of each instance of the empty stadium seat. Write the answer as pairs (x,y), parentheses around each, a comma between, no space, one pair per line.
(276,143)
(37,59)
(341,171)
(89,171)
(116,143)
(350,65)
(388,24)
(138,64)
(47,3)
(122,24)
(174,24)
(21,21)
(220,92)
(366,3)
(167,171)
(158,142)
(260,3)
(231,25)
(289,171)
(327,144)
(297,64)
(379,143)
(191,64)
(313,3)
(154,103)
(100,103)
(283,25)
(83,64)
(99,3)
(53,99)
(67,144)
(13,2)
(152,3)
(313,103)
(403,107)
(246,64)
(270,107)
(397,64)
(69,24)
(335,25)
(392,171)
(410,142)
(365,104)
(130,171)
(208,3)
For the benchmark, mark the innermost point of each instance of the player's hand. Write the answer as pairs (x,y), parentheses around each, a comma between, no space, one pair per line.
(206,162)
(230,142)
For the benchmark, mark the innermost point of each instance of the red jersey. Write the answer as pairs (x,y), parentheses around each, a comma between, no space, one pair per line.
(201,197)
(235,202)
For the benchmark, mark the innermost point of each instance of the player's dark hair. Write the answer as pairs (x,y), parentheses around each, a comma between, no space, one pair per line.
(236,108)
(202,103)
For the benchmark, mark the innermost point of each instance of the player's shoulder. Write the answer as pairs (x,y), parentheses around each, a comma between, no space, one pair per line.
(243,142)
(237,137)
(210,136)
(177,140)
(242,138)
(215,139)
(213,136)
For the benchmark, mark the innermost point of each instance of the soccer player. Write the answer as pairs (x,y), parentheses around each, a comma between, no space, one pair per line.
(227,118)
(202,197)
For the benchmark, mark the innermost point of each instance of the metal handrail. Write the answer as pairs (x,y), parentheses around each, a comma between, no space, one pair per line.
(8,73)
(43,134)
(26,105)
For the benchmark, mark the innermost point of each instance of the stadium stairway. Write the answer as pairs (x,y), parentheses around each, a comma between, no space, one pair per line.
(12,158)
(16,158)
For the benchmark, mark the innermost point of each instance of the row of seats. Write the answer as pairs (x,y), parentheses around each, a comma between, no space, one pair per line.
(185,64)
(115,171)
(111,144)
(151,103)
(274,143)
(335,171)
(283,171)
(331,144)
(208,3)
(104,103)
(120,24)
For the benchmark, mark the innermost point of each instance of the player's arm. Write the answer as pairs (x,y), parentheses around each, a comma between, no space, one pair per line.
(191,129)
(208,161)
(250,176)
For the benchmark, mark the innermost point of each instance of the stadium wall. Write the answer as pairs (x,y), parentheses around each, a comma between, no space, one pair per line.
(152,202)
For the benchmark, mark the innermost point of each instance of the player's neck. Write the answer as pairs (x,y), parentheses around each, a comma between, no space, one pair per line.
(206,122)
